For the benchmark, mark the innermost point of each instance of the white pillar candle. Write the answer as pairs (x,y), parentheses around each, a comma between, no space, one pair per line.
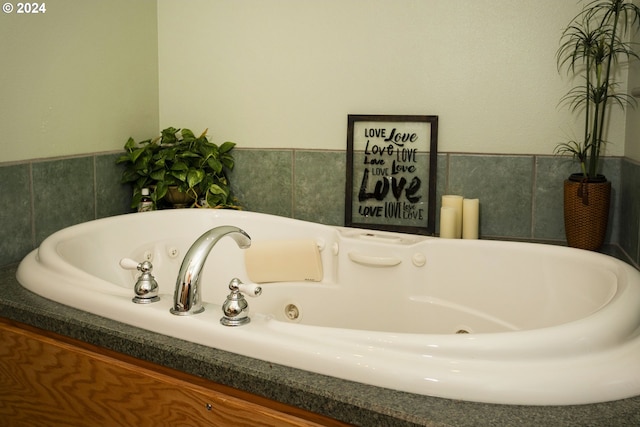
(470,218)
(452,201)
(448,222)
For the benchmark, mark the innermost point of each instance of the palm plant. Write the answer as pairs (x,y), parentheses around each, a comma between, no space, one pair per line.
(591,48)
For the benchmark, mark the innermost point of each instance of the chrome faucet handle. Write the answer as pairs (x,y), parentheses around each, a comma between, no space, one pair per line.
(129,264)
(249,289)
(236,307)
(146,287)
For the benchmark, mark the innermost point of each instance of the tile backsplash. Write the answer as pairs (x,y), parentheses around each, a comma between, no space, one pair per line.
(520,195)
(40,197)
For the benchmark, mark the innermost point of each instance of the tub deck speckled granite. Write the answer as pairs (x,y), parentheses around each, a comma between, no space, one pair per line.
(347,401)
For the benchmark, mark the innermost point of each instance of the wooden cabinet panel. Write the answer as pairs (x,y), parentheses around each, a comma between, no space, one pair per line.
(48,381)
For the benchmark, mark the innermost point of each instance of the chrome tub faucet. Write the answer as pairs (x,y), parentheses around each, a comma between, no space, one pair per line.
(187,295)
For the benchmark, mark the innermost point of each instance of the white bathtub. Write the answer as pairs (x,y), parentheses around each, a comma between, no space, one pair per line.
(537,324)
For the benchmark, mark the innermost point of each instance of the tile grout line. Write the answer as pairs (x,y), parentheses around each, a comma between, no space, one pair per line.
(293,183)
(95,188)
(446,171)
(32,206)
(534,184)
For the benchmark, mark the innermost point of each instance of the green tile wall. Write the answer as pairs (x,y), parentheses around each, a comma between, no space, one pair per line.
(520,195)
(43,196)
(630,210)
(111,197)
(63,194)
(548,224)
(504,186)
(319,186)
(16,215)
(263,180)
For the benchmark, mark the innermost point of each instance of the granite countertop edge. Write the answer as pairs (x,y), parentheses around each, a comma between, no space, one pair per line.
(347,401)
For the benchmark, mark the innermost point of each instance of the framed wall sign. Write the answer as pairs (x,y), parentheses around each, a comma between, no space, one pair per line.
(391,173)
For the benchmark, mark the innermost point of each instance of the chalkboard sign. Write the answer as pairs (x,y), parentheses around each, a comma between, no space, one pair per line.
(391,173)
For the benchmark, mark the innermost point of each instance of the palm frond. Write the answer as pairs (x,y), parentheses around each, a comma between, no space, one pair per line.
(590,48)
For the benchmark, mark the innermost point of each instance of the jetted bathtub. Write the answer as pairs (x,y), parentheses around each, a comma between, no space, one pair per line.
(488,321)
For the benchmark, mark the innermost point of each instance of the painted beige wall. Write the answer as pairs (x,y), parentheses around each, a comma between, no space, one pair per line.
(285,73)
(83,76)
(79,78)
(632,149)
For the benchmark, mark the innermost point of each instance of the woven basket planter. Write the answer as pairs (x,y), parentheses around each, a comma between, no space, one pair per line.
(586,212)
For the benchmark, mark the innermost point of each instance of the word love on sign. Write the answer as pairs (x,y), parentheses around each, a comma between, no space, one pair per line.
(389,169)
(392,160)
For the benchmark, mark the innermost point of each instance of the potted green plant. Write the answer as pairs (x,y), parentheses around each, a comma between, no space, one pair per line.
(591,49)
(177,162)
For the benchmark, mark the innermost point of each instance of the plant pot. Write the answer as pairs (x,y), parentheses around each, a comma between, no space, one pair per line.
(178,199)
(586,211)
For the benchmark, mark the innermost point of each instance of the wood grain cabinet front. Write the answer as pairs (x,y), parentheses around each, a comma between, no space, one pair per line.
(50,380)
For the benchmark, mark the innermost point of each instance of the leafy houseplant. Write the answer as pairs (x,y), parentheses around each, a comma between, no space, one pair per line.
(591,49)
(178,160)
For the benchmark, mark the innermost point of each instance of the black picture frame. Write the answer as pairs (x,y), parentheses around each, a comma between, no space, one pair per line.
(388,159)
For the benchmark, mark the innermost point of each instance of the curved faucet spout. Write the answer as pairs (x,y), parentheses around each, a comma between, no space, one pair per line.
(186,297)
